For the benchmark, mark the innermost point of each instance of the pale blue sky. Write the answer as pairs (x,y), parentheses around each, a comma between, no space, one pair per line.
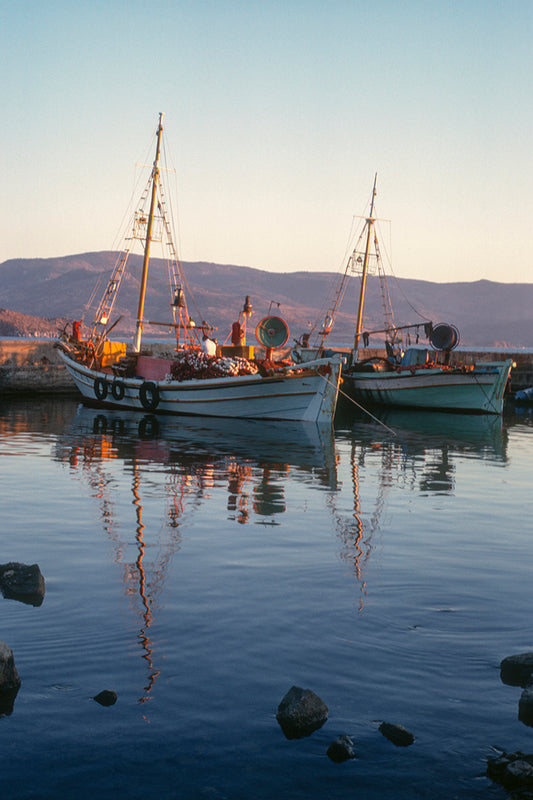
(277,114)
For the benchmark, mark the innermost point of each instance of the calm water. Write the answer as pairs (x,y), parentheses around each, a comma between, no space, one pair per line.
(200,569)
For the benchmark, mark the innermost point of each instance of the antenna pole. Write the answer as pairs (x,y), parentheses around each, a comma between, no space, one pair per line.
(370,222)
(142,293)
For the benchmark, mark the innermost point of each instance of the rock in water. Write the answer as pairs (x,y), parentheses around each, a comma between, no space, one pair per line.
(517,669)
(9,677)
(341,749)
(397,734)
(525,706)
(106,698)
(514,771)
(22,582)
(301,712)
(518,773)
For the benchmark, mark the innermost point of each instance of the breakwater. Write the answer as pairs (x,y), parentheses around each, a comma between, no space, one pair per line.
(33,366)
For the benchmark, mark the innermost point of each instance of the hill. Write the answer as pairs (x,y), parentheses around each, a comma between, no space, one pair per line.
(49,291)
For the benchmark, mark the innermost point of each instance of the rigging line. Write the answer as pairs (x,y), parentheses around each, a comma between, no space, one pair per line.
(176,260)
(131,207)
(335,295)
(173,196)
(485,393)
(386,246)
(351,244)
(376,419)
(401,291)
(393,274)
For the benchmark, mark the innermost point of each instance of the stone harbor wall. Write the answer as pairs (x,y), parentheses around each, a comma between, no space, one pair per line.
(34,366)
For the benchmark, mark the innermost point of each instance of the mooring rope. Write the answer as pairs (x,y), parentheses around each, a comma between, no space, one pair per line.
(365,410)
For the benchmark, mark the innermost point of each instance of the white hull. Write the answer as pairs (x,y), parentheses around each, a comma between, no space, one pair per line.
(480,390)
(306,396)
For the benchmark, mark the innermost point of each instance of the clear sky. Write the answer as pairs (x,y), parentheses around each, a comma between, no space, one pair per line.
(278,113)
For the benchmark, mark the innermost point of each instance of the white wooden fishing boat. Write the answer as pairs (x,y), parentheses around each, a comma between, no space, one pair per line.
(198,377)
(421,378)
(477,388)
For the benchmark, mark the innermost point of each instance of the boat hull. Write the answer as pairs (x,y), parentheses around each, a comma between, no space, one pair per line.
(308,395)
(480,390)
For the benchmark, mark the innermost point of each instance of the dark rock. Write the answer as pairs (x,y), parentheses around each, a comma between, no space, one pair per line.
(341,749)
(9,680)
(525,706)
(106,698)
(9,677)
(496,767)
(7,701)
(518,773)
(397,734)
(301,712)
(517,669)
(22,582)
(514,771)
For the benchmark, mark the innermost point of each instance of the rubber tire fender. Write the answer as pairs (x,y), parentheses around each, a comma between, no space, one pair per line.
(117,390)
(149,395)
(100,388)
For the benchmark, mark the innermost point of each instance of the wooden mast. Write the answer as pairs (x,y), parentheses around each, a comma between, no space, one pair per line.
(142,293)
(370,222)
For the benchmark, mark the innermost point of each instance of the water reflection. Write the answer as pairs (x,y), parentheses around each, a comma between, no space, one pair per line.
(424,445)
(150,477)
(413,451)
(194,458)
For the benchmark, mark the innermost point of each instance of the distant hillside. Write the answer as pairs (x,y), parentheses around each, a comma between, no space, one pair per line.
(487,314)
(13,323)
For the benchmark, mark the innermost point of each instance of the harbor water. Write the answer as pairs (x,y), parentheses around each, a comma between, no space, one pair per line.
(201,568)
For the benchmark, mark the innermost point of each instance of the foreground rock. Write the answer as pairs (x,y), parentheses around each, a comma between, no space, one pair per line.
(22,582)
(9,680)
(397,734)
(525,705)
(9,677)
(341,749)
(301,712)
(514,771)
(106,698)
(517,669)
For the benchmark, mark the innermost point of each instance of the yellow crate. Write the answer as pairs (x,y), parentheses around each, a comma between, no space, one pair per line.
(112,351)
(236,350)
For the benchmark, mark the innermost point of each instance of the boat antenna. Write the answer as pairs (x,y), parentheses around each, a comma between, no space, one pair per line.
(370,223)
(142,293)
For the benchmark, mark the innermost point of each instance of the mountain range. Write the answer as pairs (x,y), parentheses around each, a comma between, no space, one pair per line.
(38,296)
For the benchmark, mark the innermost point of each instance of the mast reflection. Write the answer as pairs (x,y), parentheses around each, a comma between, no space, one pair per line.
(416,452)
(194,458)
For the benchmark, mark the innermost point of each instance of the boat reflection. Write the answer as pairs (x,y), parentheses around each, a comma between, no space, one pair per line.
(432,438)
(193,458)
(413,451)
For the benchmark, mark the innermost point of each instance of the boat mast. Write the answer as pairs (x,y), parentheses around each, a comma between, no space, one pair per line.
(142,293)
(369,222)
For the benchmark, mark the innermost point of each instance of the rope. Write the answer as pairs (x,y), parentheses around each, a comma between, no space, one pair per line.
(365,410)
(491,404)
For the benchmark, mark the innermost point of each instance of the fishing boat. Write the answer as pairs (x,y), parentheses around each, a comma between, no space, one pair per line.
(198,376)
(418,377)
